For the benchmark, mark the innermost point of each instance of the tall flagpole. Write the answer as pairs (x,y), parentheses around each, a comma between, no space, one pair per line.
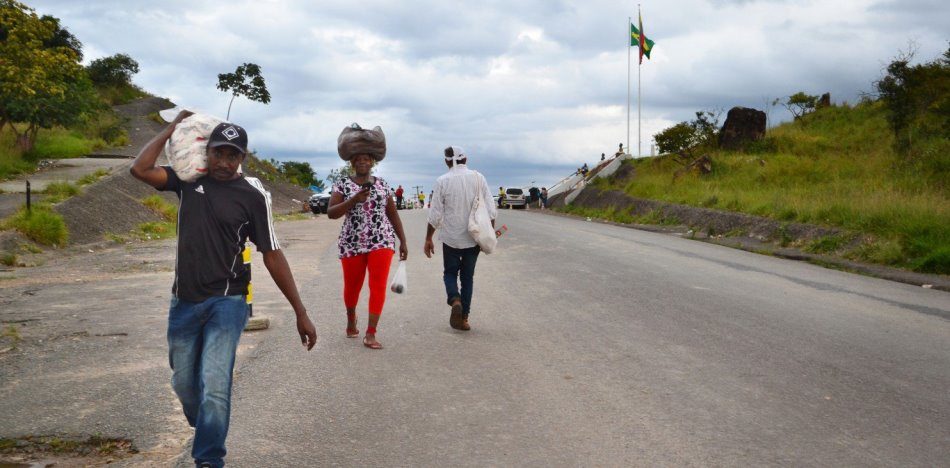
(629,46)
(639,64)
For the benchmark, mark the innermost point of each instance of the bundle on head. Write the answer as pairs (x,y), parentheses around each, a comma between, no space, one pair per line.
(355,140)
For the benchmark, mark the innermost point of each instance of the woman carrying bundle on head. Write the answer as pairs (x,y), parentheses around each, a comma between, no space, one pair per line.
(367,238)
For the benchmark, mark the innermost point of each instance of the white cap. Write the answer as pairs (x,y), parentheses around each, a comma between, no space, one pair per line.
(454,154)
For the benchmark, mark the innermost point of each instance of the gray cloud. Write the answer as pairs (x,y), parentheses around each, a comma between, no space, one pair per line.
(531,88)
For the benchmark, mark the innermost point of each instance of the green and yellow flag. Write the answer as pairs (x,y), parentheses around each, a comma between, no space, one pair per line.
(639,38)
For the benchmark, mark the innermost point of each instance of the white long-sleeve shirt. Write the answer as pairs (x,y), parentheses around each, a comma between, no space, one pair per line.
(451,207)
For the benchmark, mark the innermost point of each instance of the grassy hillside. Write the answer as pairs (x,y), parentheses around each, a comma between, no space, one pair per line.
(837,167)
(99,129)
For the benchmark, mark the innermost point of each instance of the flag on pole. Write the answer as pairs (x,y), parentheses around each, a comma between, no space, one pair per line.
(639,39)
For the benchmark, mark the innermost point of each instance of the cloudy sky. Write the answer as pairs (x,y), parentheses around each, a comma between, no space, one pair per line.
(531,89)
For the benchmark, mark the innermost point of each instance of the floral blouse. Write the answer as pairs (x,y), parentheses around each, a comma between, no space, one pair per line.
(366,227)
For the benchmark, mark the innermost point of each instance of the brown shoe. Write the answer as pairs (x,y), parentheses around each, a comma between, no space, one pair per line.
(456,319)
(464,326)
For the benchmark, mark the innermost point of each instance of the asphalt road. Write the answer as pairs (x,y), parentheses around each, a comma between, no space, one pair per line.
(596,345)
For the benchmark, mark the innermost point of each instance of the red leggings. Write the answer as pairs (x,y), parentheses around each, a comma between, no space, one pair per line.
(354,271)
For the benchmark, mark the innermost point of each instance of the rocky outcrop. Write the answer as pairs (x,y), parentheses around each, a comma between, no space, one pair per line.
(742,126)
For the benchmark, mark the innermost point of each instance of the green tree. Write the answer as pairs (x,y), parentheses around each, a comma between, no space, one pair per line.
(683,139)
(344,171)
(801,104)
(62,37)
(298,173)
(40,86)
(675,139)
(917,99)
(116,70)
(245,81)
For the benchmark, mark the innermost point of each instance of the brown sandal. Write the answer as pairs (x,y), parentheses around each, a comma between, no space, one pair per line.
(374,345)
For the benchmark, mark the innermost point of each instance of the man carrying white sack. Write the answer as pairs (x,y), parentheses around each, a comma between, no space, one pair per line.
(217,214)
(450,211)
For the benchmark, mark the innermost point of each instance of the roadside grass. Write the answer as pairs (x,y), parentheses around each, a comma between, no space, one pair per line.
(157,118)
(11,158)
(11,334)
(8,259)
(292,217)
(41,224)
(837,167)
(58,191)
(155,230)
(828,244)
(90,179)
(107,127)
(61,143)
(159,205)
(620,215)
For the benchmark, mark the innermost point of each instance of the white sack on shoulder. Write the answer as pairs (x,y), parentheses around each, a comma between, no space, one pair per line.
(186,148)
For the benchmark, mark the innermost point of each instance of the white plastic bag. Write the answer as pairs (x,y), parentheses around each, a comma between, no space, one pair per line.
(186,149)
(479,223)
(399,284)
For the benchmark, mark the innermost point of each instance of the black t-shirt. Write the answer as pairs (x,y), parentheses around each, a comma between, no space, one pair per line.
(214,220)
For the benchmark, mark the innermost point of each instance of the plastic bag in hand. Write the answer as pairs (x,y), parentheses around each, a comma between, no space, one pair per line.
(399,285)
(186,149)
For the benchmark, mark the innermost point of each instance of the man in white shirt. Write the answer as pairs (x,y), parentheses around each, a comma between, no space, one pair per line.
(451,206)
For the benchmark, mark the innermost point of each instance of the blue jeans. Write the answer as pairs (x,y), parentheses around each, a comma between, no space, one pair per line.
(202,341)
(459,264)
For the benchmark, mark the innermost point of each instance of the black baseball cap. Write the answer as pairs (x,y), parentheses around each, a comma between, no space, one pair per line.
(229,134)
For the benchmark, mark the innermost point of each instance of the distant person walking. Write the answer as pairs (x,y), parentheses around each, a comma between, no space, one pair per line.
(217,214)
(501,197)
(368,235)
(544,197)
(399,192)
(452,200)
(422,200)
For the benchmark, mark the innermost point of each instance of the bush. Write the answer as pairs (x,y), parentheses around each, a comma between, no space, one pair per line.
(936,262)
(107,126)
(41,225)
(59,191)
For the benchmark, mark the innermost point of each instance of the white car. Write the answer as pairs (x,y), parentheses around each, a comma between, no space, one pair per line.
(515,197)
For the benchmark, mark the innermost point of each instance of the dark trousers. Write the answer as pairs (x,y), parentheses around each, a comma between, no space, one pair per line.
(459,264)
